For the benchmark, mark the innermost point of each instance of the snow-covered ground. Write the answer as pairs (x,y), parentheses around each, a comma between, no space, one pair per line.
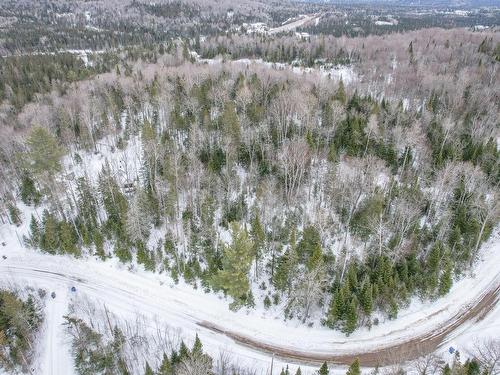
(301,21)
(346,73)
(55,349)
(127,293)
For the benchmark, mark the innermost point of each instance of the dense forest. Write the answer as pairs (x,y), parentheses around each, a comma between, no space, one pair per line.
(20,321)
(326,202)
(305,171)
(55,25)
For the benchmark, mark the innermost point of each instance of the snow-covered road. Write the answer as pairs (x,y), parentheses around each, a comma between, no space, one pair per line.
(127,293)
(301,21)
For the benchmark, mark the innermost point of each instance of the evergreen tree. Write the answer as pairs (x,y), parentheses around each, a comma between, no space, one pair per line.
(323,370)
(351,317)
(258,236)
(445,280)
(35,232)
(165,366)
(367,297)
(183,351)
(340,94)
(122,251)
(67,238)
(28,191)
(114,201)
(148,370)
(298,372)
(309,243)
(87,204)
(197,346)
(231,122)
(267,302)
(338,305)
(410,52)
(237,258)
(50,236)
(354,368)
(44,154)
(14,214)
(99,244)
(285,271)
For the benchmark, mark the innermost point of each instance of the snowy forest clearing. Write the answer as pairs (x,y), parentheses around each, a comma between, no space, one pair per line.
(181,307)
(344,73)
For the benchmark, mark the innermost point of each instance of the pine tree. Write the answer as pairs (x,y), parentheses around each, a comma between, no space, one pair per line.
(231,122)
(367,297)
(337,307)
(340,94)
(44,153)
(14,214)
(175,358)
(285,270)
(267,302)
(28,192)
(298,372)
(433,261)
(250,300)
(99,244)
(183,351)
(236,262)
(258,236)
(197,346)
(122,251)
(35,235)
(67,238)
(165,366)
(114,201)
(323,370)
(445,280)
(87,204)
(50,237)
(148,370)
(351,317)
(354,368)
(410,52)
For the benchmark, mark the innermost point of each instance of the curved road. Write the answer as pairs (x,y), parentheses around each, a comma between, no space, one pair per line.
(124,292)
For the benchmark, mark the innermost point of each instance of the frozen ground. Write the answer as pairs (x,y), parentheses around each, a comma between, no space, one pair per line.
(346,73)
(126,293)
(301,21)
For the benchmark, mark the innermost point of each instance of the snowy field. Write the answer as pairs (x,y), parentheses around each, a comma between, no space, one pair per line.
(182,308)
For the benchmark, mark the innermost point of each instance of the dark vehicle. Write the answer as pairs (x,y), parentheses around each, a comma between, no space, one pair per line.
(53,294)
(73,289)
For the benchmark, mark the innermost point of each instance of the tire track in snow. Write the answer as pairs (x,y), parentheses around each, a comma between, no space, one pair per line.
(405,351)
(125,295)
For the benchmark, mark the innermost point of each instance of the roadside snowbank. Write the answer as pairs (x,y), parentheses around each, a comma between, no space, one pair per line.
(127,293)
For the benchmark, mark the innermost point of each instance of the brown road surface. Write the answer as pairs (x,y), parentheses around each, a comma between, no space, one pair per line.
(402,351)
